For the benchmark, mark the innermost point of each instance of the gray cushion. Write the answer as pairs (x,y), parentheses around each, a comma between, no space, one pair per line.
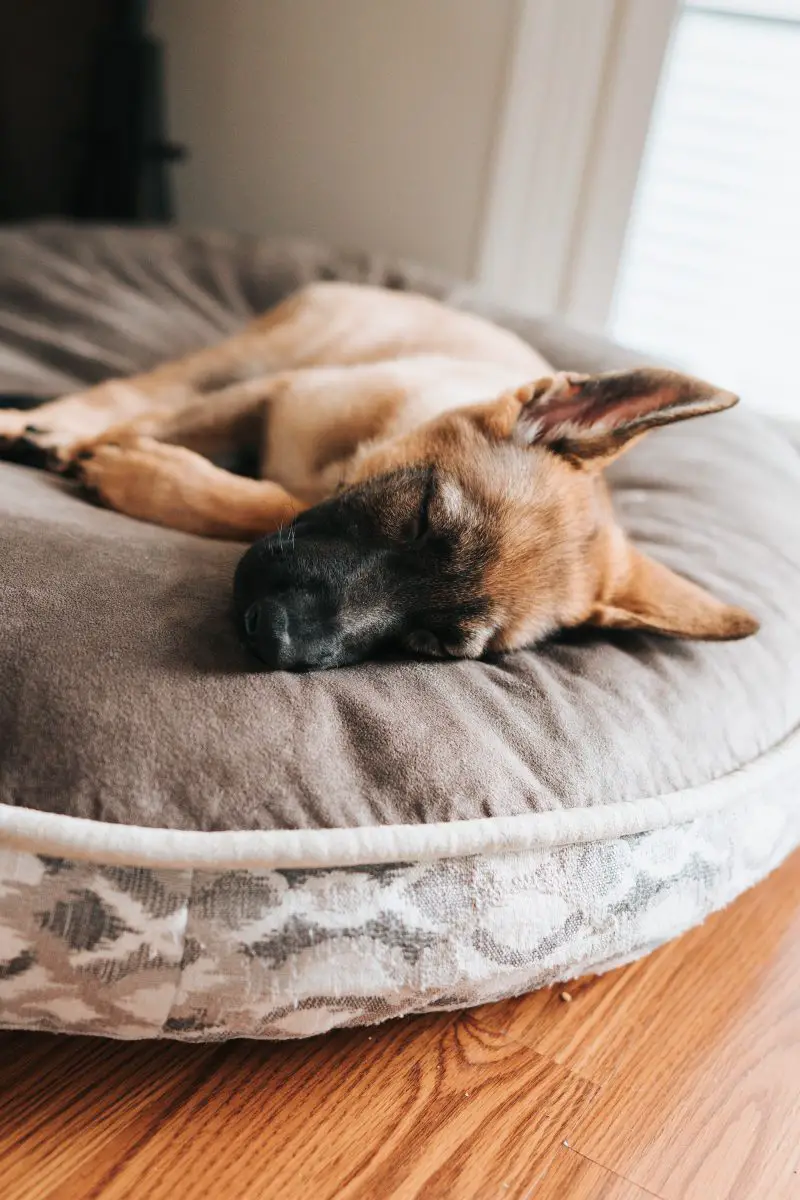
(126,697)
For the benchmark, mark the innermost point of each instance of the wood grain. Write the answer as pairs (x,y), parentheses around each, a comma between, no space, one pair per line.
(396,1113)
(571,1177)
(677,1077)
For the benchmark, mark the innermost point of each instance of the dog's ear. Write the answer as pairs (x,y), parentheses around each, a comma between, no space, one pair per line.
(650,597)
(590,419)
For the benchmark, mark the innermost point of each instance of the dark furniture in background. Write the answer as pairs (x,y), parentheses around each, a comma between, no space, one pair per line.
(82,127)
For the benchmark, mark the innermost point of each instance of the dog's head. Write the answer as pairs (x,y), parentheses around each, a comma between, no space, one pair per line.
(484,530)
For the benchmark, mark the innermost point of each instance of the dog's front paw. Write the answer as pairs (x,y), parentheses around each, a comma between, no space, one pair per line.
(35,440)
(50,436)
(20,438)
(72,457)
(143,478)
(105,473)
(12,423)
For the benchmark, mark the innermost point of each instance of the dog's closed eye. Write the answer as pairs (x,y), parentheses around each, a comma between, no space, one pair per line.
(422,641)
(420,523)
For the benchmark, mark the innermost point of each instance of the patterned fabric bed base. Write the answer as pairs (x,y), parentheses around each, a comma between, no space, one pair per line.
(135,952)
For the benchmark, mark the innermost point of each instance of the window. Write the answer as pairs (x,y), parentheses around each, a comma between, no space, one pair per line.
(710,270)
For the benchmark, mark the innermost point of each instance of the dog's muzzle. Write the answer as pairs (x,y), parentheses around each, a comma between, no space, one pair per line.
(309,601)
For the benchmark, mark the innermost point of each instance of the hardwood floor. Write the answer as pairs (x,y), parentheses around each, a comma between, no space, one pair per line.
(677,1077)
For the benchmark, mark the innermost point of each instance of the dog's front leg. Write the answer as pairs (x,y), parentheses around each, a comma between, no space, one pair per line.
(50,434)
(172,486)
(44,436)
(292,335)
(220,425)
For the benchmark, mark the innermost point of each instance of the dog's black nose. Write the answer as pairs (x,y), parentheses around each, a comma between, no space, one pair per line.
(252,620)
(288,640)
(266,630)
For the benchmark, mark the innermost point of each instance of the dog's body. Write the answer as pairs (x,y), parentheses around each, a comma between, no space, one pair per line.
(370,395)
(334,368)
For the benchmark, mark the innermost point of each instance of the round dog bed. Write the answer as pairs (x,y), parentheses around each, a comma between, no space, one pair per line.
(192,848)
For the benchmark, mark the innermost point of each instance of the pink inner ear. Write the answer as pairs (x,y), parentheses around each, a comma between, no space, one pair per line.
(595,416)
(610,401)
(629,401)
(588,412)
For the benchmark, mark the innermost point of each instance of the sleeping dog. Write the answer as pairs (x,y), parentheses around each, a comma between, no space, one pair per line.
(427,479)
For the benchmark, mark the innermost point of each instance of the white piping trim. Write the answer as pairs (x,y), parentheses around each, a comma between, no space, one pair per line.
(133,845)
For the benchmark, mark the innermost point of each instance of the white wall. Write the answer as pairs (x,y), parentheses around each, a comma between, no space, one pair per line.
(366,123)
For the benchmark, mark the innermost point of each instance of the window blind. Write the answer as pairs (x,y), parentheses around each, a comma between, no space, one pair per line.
(710,272)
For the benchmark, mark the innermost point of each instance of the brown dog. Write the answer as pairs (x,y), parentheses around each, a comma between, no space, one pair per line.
(417,487)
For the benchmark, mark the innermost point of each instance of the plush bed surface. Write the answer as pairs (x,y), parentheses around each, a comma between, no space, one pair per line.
(125,697)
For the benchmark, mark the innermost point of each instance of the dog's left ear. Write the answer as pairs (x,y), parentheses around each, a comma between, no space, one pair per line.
(648,596)
(590,419)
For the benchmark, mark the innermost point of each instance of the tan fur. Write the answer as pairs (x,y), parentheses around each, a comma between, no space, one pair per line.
(343,383)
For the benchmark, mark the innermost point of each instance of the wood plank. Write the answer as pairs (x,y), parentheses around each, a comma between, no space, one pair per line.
(574,1032)
(87,1097)
(571,1177)
(398,1111)
(419,1108)
(705,1098)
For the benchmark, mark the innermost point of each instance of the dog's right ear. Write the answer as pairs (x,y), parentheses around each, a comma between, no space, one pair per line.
(590,419)
(649,597)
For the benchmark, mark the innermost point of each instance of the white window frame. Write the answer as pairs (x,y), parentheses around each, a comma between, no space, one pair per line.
(573,127)
(769,10)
